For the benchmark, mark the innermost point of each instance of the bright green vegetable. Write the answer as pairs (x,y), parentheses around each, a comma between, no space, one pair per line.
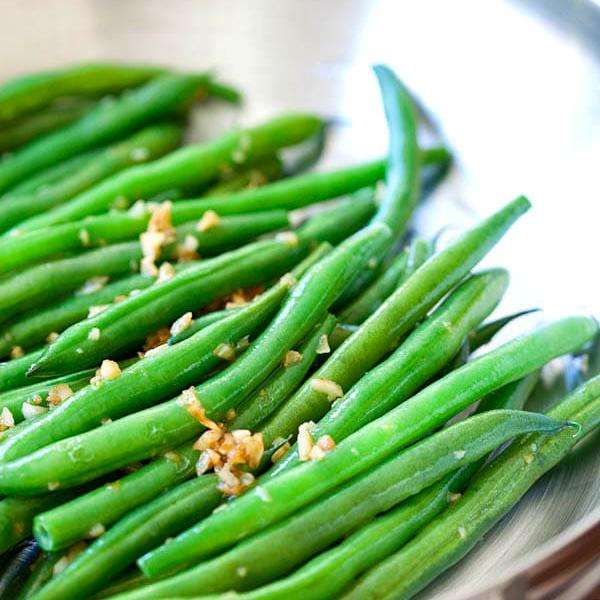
(376,441)
(139,531)
(13,373)
(146,433)
(283,381)
(72,521)
(30,127)
(270,553)
(151,379)
(34,91)
(14,399)
(395,318)
(112,119)
(189,168)
(32,247)
(125,325)
(146,145)
(32,328)
(265,171)
(416,361)
(16,515)
(487,499)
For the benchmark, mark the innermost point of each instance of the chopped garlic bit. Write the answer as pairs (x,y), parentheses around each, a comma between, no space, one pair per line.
(326,443)
(188,249)
(109,370)
(158,234)
(323,347)
(462,532)
(190,401)
(94,310)
(29,410)
(225,351)
(158,338)
(305,440)
(66,560)
(51,337)
(94,284)
(372,263)
(243,343)
(139,154)
(288,280)
(210,219)
(241,571)
(289,238)
(231,414)
(459,454)
(454,497)
(284,446)
(166,271)
(53,486)
(182,323)
(84,237)
(96,531)
(528,458)
(59,393)
(291,358)
(17,352)
(6,419)
(331,389)
(138,209)
(94,334)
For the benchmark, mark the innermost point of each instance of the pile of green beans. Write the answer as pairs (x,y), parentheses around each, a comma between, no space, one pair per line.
(315,361)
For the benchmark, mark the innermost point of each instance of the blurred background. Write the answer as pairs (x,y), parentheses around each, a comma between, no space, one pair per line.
(513,85)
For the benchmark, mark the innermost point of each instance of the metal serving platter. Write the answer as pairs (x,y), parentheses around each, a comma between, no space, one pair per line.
(514,87)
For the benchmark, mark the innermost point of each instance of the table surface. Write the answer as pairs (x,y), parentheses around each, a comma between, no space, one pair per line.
(514,87)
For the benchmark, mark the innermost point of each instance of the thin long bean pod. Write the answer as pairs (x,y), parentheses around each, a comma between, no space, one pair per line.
(428,409)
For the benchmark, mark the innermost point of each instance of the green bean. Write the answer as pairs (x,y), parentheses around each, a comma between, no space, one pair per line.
(149,431)
(136,533)
(14,399)
(268,555)
(32,328)
(264,172)
(13,373)
(294,192)
(423,353)
(283,381)
(330,572)
(22,251)
(112,119)
(484,334)
(395,318)
(188,168)
(39,285)
(146,145)
(51,175)
(31,92)
(154,378)
(216,315)
(30,127)
(125,325)
(365,448)
(487,499)
(402,175)
(16,515)
(72,521)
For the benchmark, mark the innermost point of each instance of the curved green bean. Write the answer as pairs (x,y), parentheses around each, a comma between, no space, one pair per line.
(22,251)
(187,168)
(27,93)
(28,128)
(487,499)
(84,457)
(14,399)
(283,381)
(429,347)
(270,554)
(395,317)
(126,324)
(72,521)
(136,533)
(153,378)
(112,119)
(146,145)
(415,417)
